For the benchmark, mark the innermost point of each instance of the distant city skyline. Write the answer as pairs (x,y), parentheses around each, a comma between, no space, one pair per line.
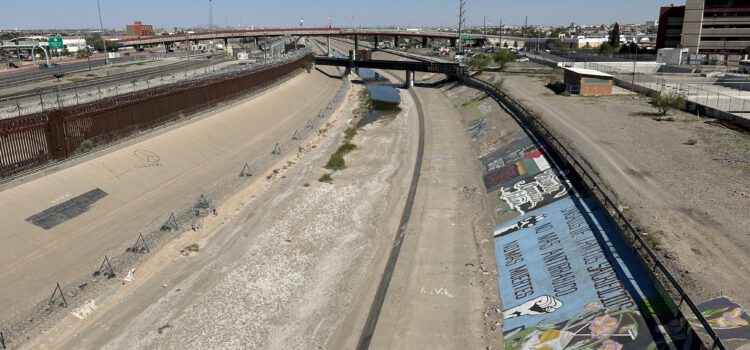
(48,14)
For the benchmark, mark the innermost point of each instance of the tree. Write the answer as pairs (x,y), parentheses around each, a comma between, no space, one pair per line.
(505,44)
(614,35)
(503,57)
(478,62)
(515,44)
(95,40)
(666,101)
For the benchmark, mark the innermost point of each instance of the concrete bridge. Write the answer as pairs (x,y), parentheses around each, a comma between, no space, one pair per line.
(453,70)
(376,34)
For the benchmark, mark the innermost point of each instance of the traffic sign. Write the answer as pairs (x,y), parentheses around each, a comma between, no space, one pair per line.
(468,37)
(56,43)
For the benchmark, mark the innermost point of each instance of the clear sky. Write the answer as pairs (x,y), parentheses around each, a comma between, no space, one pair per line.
(287,13)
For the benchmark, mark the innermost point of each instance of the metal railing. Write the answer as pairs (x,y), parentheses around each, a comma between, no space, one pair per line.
(527,120)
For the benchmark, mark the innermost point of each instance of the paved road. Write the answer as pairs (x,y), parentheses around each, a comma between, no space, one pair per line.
(138,192)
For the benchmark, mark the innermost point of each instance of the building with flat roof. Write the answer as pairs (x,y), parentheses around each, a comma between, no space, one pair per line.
(588,82)
(140,29)
(706,27)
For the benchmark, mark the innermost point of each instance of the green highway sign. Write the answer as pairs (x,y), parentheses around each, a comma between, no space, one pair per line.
(56,43)
(468,37)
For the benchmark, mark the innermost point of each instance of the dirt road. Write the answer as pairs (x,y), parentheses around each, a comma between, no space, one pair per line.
(692,199)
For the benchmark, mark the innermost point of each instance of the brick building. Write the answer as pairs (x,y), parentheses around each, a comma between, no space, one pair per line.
(140,29)
(588,82)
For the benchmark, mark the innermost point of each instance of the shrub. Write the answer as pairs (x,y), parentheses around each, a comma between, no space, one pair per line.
(666,101)
(85,146)
(691,142)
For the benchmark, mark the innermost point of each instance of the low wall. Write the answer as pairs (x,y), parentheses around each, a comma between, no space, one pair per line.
(640,67)
(691,107)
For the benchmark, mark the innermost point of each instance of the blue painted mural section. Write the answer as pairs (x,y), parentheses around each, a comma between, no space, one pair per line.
(555,268)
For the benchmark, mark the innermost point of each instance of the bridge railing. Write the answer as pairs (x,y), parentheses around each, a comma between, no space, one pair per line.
(647,256)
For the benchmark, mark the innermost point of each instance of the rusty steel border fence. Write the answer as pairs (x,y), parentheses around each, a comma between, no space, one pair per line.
(666,284)
(30,141)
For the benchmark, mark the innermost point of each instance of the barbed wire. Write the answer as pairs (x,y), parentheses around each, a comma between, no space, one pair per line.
(103,273)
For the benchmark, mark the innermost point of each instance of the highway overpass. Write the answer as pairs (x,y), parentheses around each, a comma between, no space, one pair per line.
(259,33)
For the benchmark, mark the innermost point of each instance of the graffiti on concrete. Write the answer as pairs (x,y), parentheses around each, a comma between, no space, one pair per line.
(508,154)
(477,127)
(558,287)
(530,164)
(530,221)
(729,319)
(534,192)
(595,329)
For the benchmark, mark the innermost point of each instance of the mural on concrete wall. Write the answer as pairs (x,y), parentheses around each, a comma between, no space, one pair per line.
(535,192)
(558,288)
(729,319)
(594,328)
(529,164)
(508,154)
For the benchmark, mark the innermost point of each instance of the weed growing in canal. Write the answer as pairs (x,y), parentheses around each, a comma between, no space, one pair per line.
(349,134)
(691,142)
(337,162)
(653,239)
(326,178)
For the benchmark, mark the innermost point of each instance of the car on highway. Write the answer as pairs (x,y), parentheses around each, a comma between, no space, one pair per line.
(51,65)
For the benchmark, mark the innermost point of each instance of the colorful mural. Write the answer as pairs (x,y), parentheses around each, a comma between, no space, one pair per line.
(729,319)
(508,154)
(558,287)
(529,164)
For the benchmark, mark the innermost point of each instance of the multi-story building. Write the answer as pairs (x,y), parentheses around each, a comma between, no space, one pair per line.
(706,26)
(138,28)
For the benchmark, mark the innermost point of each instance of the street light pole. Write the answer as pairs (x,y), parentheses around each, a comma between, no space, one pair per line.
(101,27)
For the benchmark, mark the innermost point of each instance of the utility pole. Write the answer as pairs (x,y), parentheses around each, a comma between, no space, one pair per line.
(210,15)
(501,32)
(525,26)
(461,20)
(101,27)
(484,26)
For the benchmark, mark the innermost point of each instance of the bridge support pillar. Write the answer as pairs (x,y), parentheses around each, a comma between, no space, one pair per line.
(409,81)
(424,42)
(376,43)
(330,52)
(356,43)
(395,42)
(453,43)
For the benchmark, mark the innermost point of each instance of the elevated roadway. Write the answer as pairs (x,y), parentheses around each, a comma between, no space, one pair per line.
(307,32)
